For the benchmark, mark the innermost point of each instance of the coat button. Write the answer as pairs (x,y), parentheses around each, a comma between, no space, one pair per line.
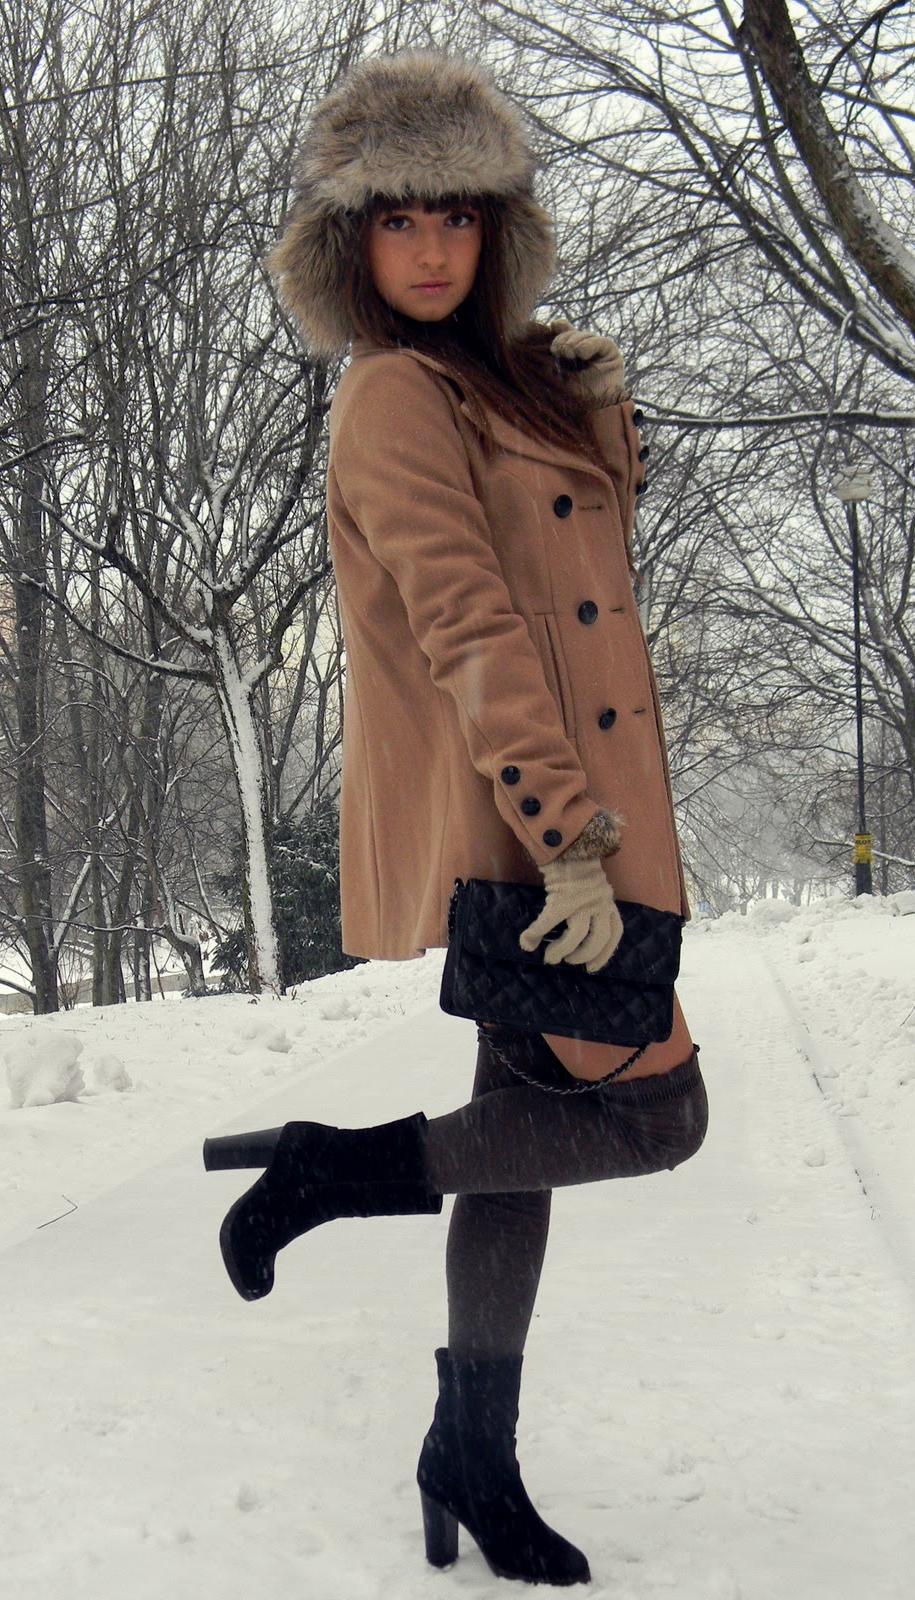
(607,718)
(641,487)
(638,416)
(587,611)
(562,505)
(510,774)
(552,836)
(645,452)
(530,805)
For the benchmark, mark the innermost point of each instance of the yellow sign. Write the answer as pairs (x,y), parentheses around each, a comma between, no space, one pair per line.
(864,843)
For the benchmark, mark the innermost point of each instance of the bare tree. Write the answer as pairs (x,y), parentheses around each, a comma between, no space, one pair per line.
(186,509)
(875,246)
(765,344)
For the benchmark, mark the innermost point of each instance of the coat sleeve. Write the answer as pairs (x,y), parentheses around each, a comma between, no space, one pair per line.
(403,473)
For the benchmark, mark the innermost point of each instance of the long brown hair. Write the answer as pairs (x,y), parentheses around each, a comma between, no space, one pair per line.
(519,378)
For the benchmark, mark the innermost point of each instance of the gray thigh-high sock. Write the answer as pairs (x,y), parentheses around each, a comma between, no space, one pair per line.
(523,1137)
(495,1249)
(509,1146)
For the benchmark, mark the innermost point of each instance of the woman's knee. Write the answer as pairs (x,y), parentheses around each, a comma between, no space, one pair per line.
(691,1127)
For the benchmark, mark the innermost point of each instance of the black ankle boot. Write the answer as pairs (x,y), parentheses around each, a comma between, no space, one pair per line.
(468,1473)
(317,1173)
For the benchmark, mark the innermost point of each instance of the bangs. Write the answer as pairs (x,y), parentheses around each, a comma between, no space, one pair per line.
(409,202)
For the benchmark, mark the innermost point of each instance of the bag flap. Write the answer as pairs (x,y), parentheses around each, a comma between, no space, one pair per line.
(491,915)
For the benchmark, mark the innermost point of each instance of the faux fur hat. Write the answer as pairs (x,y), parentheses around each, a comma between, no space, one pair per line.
(415,125)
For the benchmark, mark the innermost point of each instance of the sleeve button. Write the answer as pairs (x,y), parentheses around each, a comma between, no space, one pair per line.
(552,836)
(510,774)
(530,805)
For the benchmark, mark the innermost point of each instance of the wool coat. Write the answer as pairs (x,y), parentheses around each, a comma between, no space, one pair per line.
(498,689)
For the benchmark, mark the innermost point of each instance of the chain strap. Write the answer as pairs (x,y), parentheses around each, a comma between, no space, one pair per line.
(579,1085)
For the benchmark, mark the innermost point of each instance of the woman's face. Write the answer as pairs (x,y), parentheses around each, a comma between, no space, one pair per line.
(409,247)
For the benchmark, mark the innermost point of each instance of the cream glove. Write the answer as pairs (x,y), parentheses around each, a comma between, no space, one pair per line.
(577,892)
(596,363)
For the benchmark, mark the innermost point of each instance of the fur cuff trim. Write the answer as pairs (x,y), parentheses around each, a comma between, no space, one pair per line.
(599,837)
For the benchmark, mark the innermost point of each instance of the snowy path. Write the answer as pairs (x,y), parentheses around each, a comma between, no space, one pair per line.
(718,1400)
(872,1163)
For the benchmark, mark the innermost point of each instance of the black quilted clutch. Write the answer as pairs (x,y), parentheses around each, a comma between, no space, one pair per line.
(488,976)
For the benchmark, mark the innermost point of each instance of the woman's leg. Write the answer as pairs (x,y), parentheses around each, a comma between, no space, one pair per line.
(523,1138)
(503,1153)
(496,1244)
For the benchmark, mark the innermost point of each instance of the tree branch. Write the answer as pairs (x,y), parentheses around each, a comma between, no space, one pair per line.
(878,250)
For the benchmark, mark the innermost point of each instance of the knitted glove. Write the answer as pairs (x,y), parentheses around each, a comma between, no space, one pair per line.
(595,363)
(578,893)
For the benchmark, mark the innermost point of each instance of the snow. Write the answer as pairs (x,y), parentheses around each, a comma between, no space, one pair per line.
(43,1071)
(718,1396)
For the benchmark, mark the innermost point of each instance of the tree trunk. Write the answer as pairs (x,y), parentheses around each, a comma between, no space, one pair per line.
(880,252)
(99,931)
(146,738)
(247,762)
(31,815)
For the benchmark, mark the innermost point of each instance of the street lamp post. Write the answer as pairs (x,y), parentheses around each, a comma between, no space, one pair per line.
(853,485)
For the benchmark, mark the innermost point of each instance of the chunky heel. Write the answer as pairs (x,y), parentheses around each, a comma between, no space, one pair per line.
(441,1530)
(241,1150)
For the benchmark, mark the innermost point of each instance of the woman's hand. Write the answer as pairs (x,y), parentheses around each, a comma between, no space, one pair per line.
(578,893)
(596,363)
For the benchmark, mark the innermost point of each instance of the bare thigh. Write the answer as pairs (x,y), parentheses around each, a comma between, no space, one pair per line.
(585,1058)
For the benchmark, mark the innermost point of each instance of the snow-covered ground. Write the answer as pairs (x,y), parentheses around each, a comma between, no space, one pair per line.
(719,1391)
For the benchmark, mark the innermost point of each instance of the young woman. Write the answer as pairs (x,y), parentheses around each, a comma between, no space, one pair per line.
(501,721)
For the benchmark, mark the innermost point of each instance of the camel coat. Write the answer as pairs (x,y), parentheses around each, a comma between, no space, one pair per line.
(498,685)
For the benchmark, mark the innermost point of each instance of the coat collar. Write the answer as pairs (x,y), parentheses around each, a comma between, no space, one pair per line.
(506,433)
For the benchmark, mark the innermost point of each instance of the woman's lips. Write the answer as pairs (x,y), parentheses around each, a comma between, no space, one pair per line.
(431,288)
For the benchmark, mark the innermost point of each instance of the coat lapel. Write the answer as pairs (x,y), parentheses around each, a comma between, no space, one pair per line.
(506,433)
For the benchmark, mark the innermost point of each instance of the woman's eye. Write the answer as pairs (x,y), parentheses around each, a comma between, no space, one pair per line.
(389,222)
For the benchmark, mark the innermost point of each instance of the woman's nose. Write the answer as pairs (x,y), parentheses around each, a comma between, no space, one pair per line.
(431,250)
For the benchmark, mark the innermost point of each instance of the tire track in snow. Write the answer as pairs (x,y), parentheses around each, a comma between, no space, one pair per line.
(887,1216)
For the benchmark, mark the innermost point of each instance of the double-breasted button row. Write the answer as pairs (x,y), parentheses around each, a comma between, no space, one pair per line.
(588,612)
(530,805)
(644,453)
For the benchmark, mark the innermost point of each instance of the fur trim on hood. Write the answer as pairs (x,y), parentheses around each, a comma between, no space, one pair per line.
(417,124)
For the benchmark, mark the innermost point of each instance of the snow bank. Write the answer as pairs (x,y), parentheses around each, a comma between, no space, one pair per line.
(109,1072)
(42,1070)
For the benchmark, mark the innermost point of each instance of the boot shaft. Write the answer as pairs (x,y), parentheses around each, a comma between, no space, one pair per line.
(473,1431)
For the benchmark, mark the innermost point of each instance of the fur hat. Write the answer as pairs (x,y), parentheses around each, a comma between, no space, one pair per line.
(417,124)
